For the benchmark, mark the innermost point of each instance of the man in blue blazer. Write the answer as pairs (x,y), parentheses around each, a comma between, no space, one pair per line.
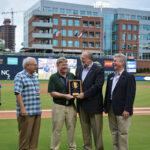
(90,101)
(119,99)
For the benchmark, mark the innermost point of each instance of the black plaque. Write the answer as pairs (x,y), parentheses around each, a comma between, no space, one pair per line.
(75,87)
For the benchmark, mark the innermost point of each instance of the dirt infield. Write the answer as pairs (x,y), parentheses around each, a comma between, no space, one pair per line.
(11,114)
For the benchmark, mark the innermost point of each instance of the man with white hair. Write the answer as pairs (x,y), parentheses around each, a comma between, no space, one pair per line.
(119,99)
(26,89)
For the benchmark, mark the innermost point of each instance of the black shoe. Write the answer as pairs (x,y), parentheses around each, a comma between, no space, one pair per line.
(0,103)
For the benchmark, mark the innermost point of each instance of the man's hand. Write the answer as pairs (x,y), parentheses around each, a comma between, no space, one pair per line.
(125,114)
(80,96)
(68,96)
(23,111)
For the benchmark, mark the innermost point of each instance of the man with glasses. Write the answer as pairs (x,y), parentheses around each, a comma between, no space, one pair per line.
(26,89)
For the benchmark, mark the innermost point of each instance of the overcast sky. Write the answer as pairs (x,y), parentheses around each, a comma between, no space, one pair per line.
(22,5)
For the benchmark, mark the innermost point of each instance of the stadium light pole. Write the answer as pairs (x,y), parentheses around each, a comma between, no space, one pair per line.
(101,5)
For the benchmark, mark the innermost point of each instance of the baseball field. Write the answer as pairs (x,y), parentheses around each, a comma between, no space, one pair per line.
(139,134)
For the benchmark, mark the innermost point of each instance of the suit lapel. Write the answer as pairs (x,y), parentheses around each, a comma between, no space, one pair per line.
(88,74)
(120,79)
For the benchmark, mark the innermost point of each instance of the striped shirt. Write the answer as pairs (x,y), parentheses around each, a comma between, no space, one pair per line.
(28,87)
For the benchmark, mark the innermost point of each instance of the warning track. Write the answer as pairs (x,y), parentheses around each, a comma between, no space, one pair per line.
(11,114)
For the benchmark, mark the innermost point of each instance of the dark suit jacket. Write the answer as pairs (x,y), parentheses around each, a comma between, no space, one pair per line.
(123,94)
(92,89)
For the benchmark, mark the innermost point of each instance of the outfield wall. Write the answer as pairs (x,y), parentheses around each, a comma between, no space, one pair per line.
(10,65)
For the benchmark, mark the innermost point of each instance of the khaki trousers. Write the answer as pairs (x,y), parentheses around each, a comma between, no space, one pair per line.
(29,127)
(119,128)
(63,114)
(91,123)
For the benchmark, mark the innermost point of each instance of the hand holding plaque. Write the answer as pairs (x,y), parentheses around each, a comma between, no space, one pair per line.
(75,87)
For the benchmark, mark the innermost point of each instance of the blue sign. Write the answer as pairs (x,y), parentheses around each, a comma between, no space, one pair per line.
(131,66)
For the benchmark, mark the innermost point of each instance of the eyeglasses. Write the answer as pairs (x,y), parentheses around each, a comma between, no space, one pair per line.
(34,65)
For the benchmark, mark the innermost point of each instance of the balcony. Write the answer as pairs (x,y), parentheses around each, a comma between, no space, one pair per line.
(42,35)
(42,46)
(42,24)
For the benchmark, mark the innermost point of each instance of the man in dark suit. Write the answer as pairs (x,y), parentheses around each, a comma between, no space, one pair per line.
(90,101)
(119,98)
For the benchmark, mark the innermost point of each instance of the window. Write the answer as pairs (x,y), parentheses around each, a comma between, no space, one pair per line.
(84,44)
(62,11)
(91,44)
(129,27)
(85,33)
(134,37)
(82,13)
(63,43)
(41,41)
(55,21)
(75,12)
(69,11)
(95,14)
(97,34)
(134,46)
(76,32)
(55,10)
(89,13)
(41,31)
(70,33)
(64,33)
(97,44)
(77,44)
(133,17)
(47,8)
(124,27)
(91,34)
(91,24)
(115,46)
(63,22)
(55,31)
(123,46)
(97,24)
(41,20)
(55,42)
(115,27)
(70,22)
(124,36)
(85,23)
(70,43)
(139,17)
(134,27)
(129,46)
(77,23)
(129,37)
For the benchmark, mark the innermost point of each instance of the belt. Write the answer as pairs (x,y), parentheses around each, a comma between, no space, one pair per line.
(65,102)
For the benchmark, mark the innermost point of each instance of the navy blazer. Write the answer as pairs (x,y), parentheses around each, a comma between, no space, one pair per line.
(123,94)
(92,89)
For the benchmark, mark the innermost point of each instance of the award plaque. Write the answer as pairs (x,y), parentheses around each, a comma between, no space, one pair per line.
(75,87)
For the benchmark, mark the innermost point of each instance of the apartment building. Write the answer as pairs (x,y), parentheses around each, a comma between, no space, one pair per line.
(55,27)
(7,33)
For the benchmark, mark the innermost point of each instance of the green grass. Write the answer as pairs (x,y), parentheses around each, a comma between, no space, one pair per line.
(139,135)
(9,99)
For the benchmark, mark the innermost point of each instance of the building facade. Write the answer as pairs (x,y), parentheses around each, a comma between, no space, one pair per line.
(7,33)
(57,27)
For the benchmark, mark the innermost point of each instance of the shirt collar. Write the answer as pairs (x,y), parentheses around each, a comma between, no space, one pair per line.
(89,67)
(120,73)
(27,74)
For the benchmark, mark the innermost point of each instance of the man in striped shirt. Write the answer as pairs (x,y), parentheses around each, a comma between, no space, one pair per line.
(26,89)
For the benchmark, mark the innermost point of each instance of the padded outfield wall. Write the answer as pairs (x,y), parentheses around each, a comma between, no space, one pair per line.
(11,64)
